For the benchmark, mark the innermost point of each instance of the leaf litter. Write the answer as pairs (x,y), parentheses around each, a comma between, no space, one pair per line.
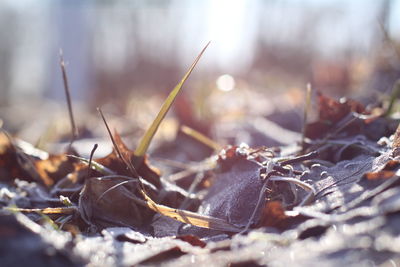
(247,205)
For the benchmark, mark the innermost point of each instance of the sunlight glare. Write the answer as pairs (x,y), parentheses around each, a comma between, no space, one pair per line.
(226,83)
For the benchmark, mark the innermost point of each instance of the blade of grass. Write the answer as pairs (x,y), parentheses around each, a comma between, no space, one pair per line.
(200,137)
(60,210)
(190,217)
(148,136)
(393,98)
(49,221)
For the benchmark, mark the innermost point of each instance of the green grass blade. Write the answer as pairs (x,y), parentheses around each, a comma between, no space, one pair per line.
(393,98)
(148,136)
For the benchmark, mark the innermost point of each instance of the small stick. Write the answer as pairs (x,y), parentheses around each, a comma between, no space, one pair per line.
(141,202)
(311,155)
(286,171)
(74,130)
(297,182)
(89,168)
(259,202)
(197,180)
(305,115)
(200,137)
(128,163)
(90,160)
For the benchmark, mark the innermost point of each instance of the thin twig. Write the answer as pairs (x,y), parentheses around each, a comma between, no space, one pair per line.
(311,155)
(306,110)
(205,140)
(74,130)
(139,201)
(311,191)
(90,160)
(259,202)
(295,181)
(127,162)
(197,180)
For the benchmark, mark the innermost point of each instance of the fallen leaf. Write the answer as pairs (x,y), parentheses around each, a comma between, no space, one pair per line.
(330,113)
(273,215)
(379,175)
(54,168)
(113,162)
(192,240)
(111,201)
(388,171)
(9,165)
(333,110)
(234,194)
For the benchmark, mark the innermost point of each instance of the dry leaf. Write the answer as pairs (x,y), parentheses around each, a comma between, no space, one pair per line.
(389,171)
(331,112)
(54,168)
(110,201)
(192,240)
(113,162)
(273,215)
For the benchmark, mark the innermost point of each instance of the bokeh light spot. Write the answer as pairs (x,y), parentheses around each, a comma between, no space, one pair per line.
(226,83)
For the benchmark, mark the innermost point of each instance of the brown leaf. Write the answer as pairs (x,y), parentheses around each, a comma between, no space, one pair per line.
(379,175)
(317,129)
(9,167)
(331,112)
(228,156)
(107,202)
(14,162)
(192,240)
(389,171)
(273,215)
(113,162)
(163,256)
(150,173)
(54,168)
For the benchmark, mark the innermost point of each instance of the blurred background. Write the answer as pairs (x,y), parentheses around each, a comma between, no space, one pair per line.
(121,53)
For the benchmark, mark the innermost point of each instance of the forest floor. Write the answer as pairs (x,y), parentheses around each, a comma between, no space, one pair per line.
(257,184)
